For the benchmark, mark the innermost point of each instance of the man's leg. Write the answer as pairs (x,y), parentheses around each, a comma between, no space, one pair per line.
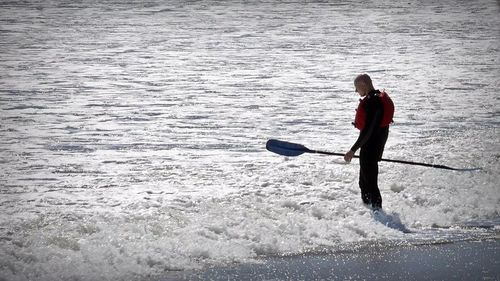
(368,177)
(376,198)
(363,183)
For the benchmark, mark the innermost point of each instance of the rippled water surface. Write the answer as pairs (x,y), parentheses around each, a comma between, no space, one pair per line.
(133,132)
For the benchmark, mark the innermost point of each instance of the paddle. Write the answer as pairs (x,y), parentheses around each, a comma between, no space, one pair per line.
(294,149)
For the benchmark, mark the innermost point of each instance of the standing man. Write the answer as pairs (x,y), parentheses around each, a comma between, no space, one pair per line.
(373,116)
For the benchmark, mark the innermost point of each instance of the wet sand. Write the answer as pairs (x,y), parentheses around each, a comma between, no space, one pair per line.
(464,260)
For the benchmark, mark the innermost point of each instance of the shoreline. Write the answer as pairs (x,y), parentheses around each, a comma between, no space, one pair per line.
(458,260)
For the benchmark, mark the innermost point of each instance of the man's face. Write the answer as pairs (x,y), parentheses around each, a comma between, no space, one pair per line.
(361,89)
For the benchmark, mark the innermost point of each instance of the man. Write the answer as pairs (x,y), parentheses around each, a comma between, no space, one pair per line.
(372,119)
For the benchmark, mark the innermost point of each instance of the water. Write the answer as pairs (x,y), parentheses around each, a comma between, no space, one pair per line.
(133,133)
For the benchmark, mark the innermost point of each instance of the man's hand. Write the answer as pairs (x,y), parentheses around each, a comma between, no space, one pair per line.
(348,156)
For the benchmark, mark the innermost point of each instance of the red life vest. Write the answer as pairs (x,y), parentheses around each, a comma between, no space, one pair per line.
(359,121)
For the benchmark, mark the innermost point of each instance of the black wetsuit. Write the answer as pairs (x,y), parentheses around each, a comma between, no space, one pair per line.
(371,140)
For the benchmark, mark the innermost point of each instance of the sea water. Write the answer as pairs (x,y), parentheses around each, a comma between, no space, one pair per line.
(133,132)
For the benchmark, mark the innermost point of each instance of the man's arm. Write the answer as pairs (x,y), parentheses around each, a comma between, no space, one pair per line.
(374,113)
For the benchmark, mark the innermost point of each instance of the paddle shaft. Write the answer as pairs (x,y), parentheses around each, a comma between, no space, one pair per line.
(388,160)
(294,149)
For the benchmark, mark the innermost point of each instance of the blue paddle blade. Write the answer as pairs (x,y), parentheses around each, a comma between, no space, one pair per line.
(286,148)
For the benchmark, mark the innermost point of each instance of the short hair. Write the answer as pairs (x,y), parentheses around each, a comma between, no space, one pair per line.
(365,79)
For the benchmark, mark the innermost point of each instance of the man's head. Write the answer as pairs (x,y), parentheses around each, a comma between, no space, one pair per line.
(363,84)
